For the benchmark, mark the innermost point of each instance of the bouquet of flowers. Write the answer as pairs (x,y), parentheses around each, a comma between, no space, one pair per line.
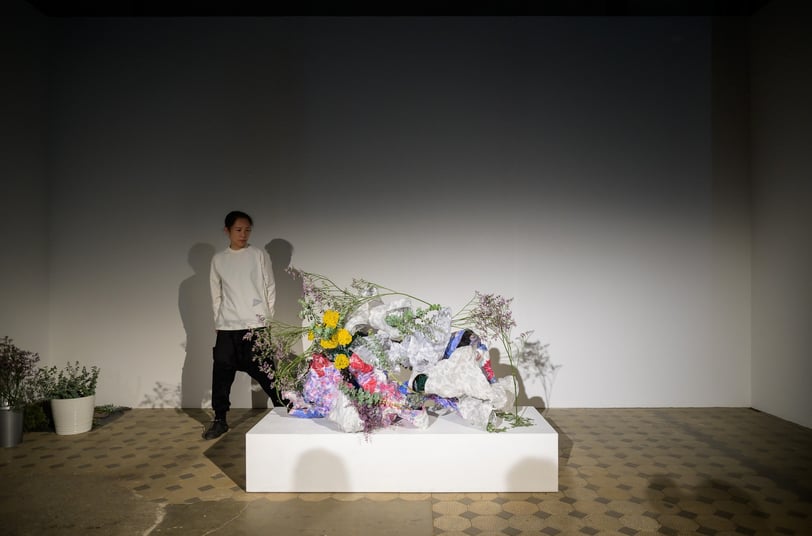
(376,357)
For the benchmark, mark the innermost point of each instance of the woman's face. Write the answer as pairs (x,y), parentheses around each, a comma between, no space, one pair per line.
(239,233)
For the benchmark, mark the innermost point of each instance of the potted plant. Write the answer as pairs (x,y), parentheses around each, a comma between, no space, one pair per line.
(72,392)
(17,389)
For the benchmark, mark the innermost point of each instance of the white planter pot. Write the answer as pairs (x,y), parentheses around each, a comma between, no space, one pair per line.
(73,415)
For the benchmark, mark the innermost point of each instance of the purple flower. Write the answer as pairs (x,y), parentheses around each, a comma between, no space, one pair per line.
(491,315)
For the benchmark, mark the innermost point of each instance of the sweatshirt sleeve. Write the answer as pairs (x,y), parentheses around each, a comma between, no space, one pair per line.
(268,281)
(216,289)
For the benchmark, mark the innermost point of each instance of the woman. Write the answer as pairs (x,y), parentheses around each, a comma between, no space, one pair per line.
(243,294)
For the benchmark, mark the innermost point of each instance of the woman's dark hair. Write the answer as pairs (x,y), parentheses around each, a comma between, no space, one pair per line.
(234,215)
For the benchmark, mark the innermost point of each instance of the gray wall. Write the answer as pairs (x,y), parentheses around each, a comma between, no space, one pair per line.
(24,218)
(593,168)
(782,220)
(730,190)
(564,162)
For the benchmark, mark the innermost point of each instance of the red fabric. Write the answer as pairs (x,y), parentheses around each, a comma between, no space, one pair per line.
(359,365)
(488,370)
(318,363)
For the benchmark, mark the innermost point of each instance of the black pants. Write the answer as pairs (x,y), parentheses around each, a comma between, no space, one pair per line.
(232,352)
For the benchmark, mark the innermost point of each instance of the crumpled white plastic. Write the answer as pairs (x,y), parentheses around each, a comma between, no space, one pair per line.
(421,352)
(476,412)
(504,394)
(461,377)
(398,354)
(438,327)
(418,418)
(345,415)
(479,413)
(458,376)
(378,314)
(359,320)
(366,353)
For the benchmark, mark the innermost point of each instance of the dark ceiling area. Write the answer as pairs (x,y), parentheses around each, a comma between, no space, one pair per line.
(257,8)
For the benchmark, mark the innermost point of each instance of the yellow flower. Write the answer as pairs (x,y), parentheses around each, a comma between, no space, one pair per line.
(310,335)
(343,337)
(328,344)
(330,318)
(342,361)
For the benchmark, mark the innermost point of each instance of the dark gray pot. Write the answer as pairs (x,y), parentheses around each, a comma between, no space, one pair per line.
(11,427)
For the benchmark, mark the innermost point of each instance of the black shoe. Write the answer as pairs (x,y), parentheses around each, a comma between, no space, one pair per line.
(218,427)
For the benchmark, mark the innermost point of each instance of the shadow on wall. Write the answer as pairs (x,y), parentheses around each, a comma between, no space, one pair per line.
(164,395)
(531,362)
(194,304)
(502,369)
(288,293)
(288,290)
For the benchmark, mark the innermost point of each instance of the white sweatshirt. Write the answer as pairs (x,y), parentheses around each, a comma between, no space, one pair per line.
(242,288)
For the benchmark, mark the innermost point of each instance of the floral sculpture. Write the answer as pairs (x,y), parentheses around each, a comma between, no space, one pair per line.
(362,343)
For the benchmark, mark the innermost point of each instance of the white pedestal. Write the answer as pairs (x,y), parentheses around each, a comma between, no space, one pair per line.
(291,454)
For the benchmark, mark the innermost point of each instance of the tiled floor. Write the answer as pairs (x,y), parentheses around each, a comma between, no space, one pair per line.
(622,471)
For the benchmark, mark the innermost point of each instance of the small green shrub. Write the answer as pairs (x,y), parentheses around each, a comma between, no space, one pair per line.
(18,369)
(36,419)
(69,382)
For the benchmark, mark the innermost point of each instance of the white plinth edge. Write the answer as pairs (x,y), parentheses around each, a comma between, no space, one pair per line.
(291,454)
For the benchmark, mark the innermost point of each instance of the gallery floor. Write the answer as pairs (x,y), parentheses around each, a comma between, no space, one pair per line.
(622,471)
